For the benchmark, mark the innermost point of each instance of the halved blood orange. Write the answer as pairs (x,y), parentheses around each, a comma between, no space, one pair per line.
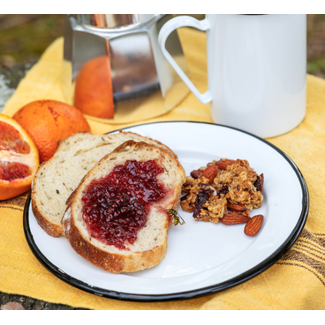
(18,159)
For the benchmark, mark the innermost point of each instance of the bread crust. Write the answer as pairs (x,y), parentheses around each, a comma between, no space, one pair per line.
(49,227)
(112,262)
(55,229)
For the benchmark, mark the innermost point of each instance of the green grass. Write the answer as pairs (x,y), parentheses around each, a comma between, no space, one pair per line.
(26,42)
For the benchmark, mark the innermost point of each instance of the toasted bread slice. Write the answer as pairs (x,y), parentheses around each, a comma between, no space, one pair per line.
(57,178)
(150,246)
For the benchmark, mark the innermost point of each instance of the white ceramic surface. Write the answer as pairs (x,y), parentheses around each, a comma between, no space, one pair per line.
(256,69)
(199,254)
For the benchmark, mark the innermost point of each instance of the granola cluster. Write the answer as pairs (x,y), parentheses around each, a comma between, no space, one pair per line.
(221,186)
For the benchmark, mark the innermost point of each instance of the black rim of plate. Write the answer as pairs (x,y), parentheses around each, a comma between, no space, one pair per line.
(265,264)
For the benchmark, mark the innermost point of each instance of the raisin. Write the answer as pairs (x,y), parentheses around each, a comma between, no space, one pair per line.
(201,198)
(259,183)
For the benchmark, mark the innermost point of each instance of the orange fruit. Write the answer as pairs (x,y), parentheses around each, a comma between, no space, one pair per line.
(18,159)
(93,91)
(49,121)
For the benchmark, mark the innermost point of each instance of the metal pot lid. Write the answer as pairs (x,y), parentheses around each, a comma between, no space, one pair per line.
(112,20)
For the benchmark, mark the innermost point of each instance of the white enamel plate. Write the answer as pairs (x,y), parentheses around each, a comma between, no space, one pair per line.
(202,258)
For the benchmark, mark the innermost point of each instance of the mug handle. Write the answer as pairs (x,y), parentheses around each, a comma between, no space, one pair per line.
(166,30)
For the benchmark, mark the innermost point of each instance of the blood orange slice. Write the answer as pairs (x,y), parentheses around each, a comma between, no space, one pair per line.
(18,159)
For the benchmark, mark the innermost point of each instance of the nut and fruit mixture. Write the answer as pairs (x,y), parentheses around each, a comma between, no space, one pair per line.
(225,190)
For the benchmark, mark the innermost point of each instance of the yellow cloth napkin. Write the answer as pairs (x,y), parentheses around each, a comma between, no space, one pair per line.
(296,281)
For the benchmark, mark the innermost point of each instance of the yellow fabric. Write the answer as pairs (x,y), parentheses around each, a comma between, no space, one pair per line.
(296,281)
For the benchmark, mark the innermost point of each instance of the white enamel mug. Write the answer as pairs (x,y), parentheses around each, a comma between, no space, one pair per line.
(256,69)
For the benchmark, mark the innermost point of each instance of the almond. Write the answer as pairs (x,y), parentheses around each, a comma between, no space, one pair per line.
(223,164)
(236,207)
(210,173)
(196,173)
(233,218)
(253,225)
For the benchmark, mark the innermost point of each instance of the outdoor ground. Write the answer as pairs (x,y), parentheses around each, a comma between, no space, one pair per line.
(23,38)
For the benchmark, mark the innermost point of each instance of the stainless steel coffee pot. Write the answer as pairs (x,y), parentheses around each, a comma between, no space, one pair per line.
(118,56)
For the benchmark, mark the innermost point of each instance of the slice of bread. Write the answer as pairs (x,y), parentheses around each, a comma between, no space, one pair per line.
(57,178)
(150,246)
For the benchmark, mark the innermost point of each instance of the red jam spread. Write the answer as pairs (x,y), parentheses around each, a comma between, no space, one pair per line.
(116,206)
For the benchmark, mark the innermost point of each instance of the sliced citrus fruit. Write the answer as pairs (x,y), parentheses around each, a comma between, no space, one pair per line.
(18,159)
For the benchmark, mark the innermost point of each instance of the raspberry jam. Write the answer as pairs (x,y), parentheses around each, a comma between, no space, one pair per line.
(116,206)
